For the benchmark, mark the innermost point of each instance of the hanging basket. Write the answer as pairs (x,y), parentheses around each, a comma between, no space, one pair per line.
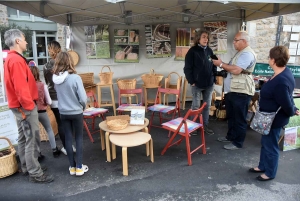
(8,163)
(152,79)
(105,77)
(173,86)
(74,57)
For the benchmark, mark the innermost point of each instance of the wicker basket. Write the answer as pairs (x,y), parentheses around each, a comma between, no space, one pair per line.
(8,163)
(152,79)
(173,86)
(126,84)
(105,77)
(117,122)
(74,57)
(43,132)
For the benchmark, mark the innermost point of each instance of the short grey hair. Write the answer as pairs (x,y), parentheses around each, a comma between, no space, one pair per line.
(245,36)
(11,35)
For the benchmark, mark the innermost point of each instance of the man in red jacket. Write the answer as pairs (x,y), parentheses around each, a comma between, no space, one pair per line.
(21,95)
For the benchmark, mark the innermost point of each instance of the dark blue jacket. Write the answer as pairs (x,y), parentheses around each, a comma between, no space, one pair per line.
(199,68)
(279,92)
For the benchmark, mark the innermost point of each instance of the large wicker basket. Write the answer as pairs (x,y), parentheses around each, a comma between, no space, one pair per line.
(88,81)
(74,56)
(105,77)
(126,84)
(117,122)
(152,79)
(8,163)
(43,132)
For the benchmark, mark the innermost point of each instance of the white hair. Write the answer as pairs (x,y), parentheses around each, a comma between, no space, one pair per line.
(245,36)
(11,35)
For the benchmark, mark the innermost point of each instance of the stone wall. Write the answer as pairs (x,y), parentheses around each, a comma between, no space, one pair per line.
(3,15)
(263,35)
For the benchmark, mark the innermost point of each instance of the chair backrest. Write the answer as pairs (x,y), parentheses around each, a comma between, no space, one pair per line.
(131,91)
(167,91)
(195,114)
(93,101)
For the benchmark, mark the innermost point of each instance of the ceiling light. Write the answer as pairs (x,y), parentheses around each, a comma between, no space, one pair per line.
(114,1)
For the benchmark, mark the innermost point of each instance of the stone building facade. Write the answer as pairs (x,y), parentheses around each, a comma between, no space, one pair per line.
(263,35)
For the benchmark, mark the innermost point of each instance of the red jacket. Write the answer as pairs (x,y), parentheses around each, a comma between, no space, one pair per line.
(20,84)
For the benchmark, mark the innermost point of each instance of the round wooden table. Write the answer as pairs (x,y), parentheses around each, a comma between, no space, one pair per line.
(130,140)
(128,129)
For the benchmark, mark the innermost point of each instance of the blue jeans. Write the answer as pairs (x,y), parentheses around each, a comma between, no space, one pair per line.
(269,153)
(206,93)
(236,112)
(70,123)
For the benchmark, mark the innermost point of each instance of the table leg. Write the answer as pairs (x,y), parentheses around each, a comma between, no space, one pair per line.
(113,150)
(108,158)
(124,161)
(147,148)
(145,130)
(102,139)
(151,151)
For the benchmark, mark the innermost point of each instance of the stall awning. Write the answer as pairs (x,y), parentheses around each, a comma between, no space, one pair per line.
(90,12)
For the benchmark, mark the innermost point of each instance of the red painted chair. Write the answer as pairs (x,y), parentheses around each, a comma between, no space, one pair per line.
(164,108)
(132,92)
(183,127)
(91,113)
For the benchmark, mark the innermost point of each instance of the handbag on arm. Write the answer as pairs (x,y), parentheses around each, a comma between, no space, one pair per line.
(262,121)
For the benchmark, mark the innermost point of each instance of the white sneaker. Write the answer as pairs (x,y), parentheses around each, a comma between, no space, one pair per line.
(74,149)
(82,170)
(72,170)
(64,151)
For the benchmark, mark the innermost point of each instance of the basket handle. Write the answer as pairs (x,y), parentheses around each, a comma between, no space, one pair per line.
(152,71)
(5,138)
(169,76)
(105,67)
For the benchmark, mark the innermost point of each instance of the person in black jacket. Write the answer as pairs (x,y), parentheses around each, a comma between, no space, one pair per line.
(200,72)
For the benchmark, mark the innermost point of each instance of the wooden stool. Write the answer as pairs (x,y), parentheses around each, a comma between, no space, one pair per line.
(131,140)
(99,86)
(172,86)
(185,84)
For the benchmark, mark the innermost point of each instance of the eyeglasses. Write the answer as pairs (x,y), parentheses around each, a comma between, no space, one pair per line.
(236,40)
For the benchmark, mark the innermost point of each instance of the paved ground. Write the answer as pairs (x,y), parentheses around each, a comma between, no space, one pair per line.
(219,175)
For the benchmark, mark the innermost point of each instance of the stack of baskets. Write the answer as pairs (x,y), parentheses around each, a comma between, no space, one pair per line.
(8,162)
(43,132)
(117,122)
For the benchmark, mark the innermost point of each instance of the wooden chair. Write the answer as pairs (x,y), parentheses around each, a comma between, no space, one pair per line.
(163,108)
(132,92)
(91,113)
(183,127)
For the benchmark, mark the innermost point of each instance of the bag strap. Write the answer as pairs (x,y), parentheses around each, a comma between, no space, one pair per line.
(278,109)
(21,111)
(258,106)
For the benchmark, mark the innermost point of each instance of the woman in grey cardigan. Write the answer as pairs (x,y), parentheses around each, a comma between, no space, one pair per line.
(71,104)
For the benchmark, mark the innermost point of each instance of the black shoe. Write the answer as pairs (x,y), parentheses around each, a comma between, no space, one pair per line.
(56,152)
(41,157)
(260,178)
(42,179)
(255,171)
(208,131)
(44,168)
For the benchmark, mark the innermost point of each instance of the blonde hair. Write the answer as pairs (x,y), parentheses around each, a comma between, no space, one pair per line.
(53,49)
(64,62)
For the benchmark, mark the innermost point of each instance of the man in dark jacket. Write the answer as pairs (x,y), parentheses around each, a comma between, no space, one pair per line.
(199,72)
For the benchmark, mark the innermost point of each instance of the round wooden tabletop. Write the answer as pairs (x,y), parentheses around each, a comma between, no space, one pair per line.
(128,129)
(130,139)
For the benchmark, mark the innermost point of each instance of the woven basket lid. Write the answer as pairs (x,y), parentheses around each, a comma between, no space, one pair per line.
(74,56)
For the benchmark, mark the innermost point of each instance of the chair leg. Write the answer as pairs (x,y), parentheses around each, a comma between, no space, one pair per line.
(93,123)
(113,150)
(125,161)
(108,158)
(151,151)
(151,121)
(203,141)
(168,143)
(88,131)
(102,139)
(188,148)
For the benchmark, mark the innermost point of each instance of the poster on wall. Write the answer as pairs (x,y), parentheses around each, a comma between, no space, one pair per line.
(184,40)
(218,36)
(292,131)
(126,45)
(8,126)
(158,41)
(97,41)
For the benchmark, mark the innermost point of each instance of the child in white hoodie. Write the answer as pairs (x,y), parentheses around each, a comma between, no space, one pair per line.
(71,104)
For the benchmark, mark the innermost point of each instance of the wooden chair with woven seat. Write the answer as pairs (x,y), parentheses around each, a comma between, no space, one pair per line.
(125,106)
(160,108)
(91,113)
(183,127)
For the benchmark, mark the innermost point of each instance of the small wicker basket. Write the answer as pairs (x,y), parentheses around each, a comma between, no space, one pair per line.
(152,79)
(105,77)
(8,163)
(43,132)
(117,122)
(74,56)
